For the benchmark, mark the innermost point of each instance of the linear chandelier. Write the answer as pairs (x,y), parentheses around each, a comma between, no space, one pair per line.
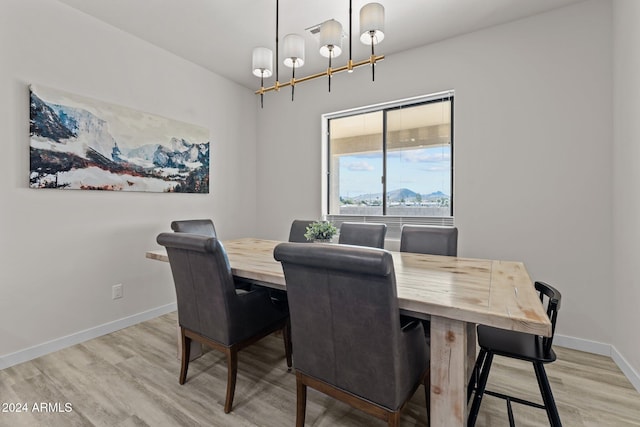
(372,33)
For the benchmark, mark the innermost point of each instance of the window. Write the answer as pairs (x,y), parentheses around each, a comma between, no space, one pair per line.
(391,163)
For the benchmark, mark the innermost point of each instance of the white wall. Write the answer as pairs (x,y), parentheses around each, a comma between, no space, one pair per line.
(626,180)
(533,130)
(61,251)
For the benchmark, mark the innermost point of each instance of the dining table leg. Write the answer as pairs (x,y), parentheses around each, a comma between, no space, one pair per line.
(449,365)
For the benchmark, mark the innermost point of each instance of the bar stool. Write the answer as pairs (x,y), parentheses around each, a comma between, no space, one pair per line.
(532,348)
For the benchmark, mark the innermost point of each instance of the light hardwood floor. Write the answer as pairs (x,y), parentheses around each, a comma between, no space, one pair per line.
(130,378)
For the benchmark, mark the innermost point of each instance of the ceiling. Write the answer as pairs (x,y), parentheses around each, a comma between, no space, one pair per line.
(220,35)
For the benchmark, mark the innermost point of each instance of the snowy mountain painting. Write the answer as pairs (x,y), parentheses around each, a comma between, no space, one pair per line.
(81,143)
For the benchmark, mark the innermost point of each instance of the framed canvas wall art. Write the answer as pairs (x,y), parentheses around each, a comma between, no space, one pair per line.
(82,143)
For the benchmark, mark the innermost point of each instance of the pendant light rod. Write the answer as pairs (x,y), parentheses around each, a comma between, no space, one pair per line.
(329,72)
(293,79)
(373,65)
(277,31)
(262,94)
(350,29)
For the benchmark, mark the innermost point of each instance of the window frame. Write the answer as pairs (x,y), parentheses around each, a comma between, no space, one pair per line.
(390,220)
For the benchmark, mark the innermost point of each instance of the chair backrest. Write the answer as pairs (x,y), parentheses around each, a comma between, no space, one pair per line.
(550,297)
(345,321)
(204,227)
(205,290)
(298,228)
(363,234)
(425,239)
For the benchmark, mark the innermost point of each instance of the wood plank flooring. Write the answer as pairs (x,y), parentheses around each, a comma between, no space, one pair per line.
(130,378)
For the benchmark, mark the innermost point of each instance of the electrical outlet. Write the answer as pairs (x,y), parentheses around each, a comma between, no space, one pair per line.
(116,291)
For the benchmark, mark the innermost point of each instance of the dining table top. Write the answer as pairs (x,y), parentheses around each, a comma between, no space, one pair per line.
(489,292)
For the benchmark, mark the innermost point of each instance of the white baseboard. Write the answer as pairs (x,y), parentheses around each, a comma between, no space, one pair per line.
(626,368)
(30,353)
(602,349)
(580,344)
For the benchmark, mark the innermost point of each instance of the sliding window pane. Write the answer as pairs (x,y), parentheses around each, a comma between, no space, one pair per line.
(419,167)
(356,165)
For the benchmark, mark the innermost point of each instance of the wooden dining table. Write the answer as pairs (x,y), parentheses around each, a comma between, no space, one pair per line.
(456,293)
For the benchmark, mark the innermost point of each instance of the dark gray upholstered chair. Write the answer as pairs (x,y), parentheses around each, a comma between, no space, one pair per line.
(346,332)
(195,226)
(425,239)
(363,234)
(298,228)
(205,227)
(517,345)
(210,309)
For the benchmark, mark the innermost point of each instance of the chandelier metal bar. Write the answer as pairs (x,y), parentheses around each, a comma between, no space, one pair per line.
(329,71)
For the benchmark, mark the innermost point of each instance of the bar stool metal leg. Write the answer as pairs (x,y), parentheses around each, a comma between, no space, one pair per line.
(547,395)
(482,384)
(473,381)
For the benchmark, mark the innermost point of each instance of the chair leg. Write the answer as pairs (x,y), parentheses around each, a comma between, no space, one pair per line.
(473,381)
(427,391)
(301,402)
(394,419)
(232,372)
(547,395)
(482,384)
(286,335)
(186,355)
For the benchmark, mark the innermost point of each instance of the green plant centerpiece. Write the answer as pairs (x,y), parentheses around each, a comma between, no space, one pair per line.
(320,231)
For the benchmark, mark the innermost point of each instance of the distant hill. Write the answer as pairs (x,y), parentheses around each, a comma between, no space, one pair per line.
(399,195)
